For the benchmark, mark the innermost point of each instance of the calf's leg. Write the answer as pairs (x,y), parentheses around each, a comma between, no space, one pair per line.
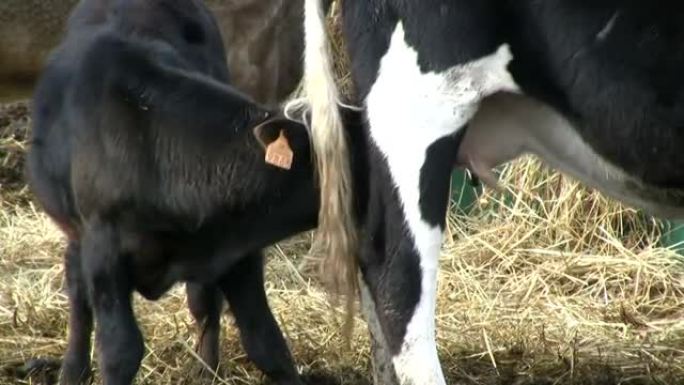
(76,365)
(259,332)
(205,302)
(108,279)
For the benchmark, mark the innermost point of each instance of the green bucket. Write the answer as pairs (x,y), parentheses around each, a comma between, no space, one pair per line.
(463,194)
(673,236)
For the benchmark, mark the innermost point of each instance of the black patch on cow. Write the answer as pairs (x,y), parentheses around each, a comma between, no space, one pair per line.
(367,41)
(435,179)
(388,258)
(357,140)
(623,91)
(432,27)
(368,27)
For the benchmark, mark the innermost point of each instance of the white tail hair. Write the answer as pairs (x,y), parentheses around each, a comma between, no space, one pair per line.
(336,236)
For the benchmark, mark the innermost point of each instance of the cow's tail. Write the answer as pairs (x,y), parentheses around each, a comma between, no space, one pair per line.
(336,236)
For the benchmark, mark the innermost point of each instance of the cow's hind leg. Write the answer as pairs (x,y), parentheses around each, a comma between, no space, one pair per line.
(414,138)
(108,279)
(399,262)
(76,364)
(205,302)
(259,332)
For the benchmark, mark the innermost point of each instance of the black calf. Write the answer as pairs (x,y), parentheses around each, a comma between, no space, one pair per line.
(149,163)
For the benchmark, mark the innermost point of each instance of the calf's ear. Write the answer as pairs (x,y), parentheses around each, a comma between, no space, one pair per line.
(282,140)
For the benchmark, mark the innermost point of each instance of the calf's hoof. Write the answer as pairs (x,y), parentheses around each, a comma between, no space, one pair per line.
(74,373)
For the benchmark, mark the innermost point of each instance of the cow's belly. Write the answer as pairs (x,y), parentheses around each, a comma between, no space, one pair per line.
(507,126)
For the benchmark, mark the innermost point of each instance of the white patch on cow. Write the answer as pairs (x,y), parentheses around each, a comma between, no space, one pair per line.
(408,111)
(605,31)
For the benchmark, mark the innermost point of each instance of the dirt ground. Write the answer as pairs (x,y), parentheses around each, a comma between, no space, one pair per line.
(557,286)
(14,129)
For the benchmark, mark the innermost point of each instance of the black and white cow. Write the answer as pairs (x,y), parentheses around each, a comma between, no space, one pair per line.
(154,168)
(594,88)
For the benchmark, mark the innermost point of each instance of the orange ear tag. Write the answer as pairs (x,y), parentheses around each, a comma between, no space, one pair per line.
(279,153)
